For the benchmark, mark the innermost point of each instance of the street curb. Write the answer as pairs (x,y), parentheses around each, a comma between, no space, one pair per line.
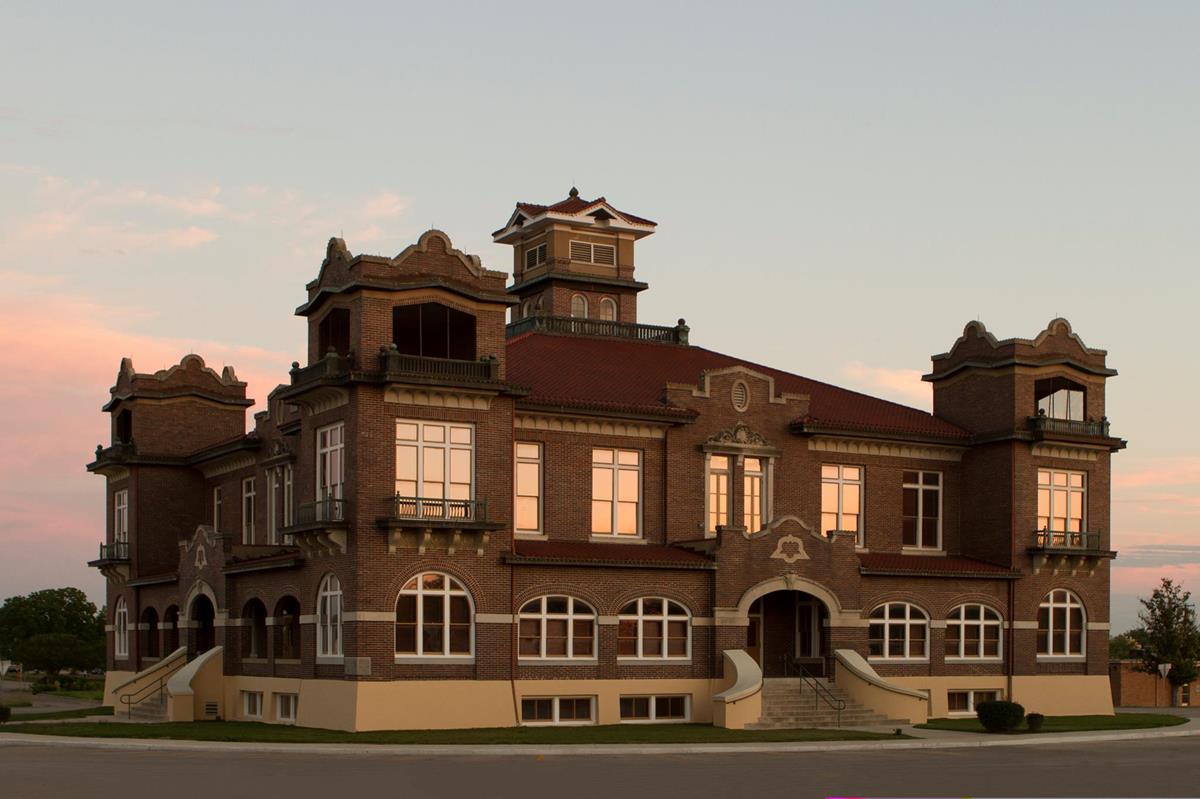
(497,750)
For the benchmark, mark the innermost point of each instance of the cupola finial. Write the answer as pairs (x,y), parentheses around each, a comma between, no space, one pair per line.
(574,192)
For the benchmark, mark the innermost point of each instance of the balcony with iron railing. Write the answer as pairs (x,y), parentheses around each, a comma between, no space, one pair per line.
(1066,539)
(574,326)
(321,512)
(1071,551)
(114,552)
(1043,426)
(320,527)
(392,362)
(451,525)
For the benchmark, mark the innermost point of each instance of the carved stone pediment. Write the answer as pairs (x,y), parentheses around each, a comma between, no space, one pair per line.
(738,435)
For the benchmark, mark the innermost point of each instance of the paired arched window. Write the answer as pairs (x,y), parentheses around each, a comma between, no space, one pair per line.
(287,628)
(579,306)
(254,618)
(434,618)
(557,627)
(329,618)
(149,633)
(1061,625)
(898,631)
(121,629)
(654,627)
(608,310)
(973,631)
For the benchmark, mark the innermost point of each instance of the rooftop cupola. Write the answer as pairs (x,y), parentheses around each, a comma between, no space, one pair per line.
(574,258)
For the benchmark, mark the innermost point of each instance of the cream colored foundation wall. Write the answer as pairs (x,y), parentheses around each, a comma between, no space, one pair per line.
(1051,695)
(111,680)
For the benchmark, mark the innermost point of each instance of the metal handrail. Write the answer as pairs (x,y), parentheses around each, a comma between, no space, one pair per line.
(820,692)
(599,327)
(118,550)
(159,687)
(433,509)
(330,509)
(1066,539)
(1074,427)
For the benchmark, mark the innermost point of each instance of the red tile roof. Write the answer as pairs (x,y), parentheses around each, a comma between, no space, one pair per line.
(574,205)
(887,563)
(609,554)
(623,374)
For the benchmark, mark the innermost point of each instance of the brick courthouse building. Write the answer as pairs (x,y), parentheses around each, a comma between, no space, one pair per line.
(447,520)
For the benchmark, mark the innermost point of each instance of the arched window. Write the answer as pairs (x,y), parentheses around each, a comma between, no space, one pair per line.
(434,618)
(608,310)
(973,631)
(526,309)
(329,618)
(579,306)
(170,629)
(899,631)
(1061,625)
(557,627)
(654,627)
(254,617)
(149,633)
(121,630)
(287,629)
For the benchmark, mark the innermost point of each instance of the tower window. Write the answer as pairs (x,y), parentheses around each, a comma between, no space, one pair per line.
(124,431)
(1060,398)
(608,310)
(434,331)
(579,306)
(333,333)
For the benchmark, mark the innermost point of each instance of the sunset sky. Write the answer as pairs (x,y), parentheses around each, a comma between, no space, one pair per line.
(839,188)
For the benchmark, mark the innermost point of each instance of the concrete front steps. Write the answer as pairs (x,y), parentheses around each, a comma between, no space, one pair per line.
(148,710)
(788,703)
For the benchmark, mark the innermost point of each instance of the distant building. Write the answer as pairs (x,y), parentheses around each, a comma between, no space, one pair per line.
(1133,688)
(447,518)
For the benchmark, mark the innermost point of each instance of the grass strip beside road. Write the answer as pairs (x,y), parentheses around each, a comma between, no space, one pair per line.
(608,734)
(16,702)
(1121,721)
(76,713)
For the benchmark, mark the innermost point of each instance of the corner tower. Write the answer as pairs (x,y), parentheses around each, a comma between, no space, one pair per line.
(574,258)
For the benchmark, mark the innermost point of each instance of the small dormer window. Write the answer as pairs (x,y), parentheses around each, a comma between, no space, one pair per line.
(1059,398)
(535,256)
(588,253)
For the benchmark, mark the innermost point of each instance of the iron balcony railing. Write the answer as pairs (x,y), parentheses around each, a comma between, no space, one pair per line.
(118,450)
(1071,427)
(332,365)
(323,510)
(600,327)
(1066,539)
(118,550)
(450,510)
(392,361)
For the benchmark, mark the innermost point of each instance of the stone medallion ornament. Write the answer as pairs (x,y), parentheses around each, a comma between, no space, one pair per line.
(789,549)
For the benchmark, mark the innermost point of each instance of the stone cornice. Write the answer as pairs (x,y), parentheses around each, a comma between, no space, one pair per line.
(887,449)
(591,425)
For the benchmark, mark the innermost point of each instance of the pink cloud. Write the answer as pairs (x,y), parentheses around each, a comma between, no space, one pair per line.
(902,385)
(1158,472)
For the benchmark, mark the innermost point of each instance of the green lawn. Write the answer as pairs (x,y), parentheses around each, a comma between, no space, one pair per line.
(1121,721)
(611,734)
(78,713)
(93,694)
(16,701)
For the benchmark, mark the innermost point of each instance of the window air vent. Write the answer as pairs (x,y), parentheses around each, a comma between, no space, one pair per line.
(741,396)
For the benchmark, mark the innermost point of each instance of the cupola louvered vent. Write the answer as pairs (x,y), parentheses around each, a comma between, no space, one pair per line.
(741,396)
(535,256)
(585,252)
(581,251)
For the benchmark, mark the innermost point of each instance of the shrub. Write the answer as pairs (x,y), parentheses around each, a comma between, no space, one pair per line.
(1034,721)
(1000,716)
(5,713)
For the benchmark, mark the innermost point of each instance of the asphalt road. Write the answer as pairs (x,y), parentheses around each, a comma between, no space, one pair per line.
(1166,767)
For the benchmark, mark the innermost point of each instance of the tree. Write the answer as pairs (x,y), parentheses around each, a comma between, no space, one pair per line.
(1122,647)
(1169,633)
(57,625)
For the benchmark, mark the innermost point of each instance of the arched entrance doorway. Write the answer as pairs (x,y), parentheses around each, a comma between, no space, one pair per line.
(789,630)
(202,615)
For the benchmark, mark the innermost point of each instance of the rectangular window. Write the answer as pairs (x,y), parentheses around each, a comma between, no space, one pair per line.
(616,492)
(273,486)
(921,518)
(842,500)
(217,509)
(527,488)
(248,510)
(754,494)
(654,708)
(585,252)
(288,497)
(252,704)
(331,470)
(966,702)
(535,256)
(121,516)
(1061,500)
(435,464)
(286,707)
(558,710)
(718,492)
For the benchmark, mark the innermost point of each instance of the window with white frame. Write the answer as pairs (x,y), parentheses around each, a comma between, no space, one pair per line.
(973,632)
(966,702)
(717,495)
(435,469)
(248,510)
(252,704)
(655,708)
(588,253)
(898,631)
(331,470)
(527,488)
(556,628)
(755,500)
(655,628)
(286,707)
(288,497)
(921,516)
(329,618)
(608,310)
(558,709)
(217,503)
(121,630)
(121,516)
(1061,625)
(842,500)
(1062,498)
(579,306)
(434,618)
(535,256)
(616,492)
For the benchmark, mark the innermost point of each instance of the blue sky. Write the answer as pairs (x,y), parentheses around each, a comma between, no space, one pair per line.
(839,188)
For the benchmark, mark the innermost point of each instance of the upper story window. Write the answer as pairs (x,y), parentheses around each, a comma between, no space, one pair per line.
(527,488)
(921,517)
(1061,625)
(535,256)
(588,253)
(217,508)
(333,332)
(616,492)
(557,627)
(717,496)
(433,330)
(654,627)
(579,306)
(435,461)
(1060,398)
(248,497)
(1061,501)
(755,498)
(124,427)
(121,516)
(279,504)
(329,618)
(121,630)
(608,310)
(331,467)
(973,631)
(842,499)
(434,618)
(898,631)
